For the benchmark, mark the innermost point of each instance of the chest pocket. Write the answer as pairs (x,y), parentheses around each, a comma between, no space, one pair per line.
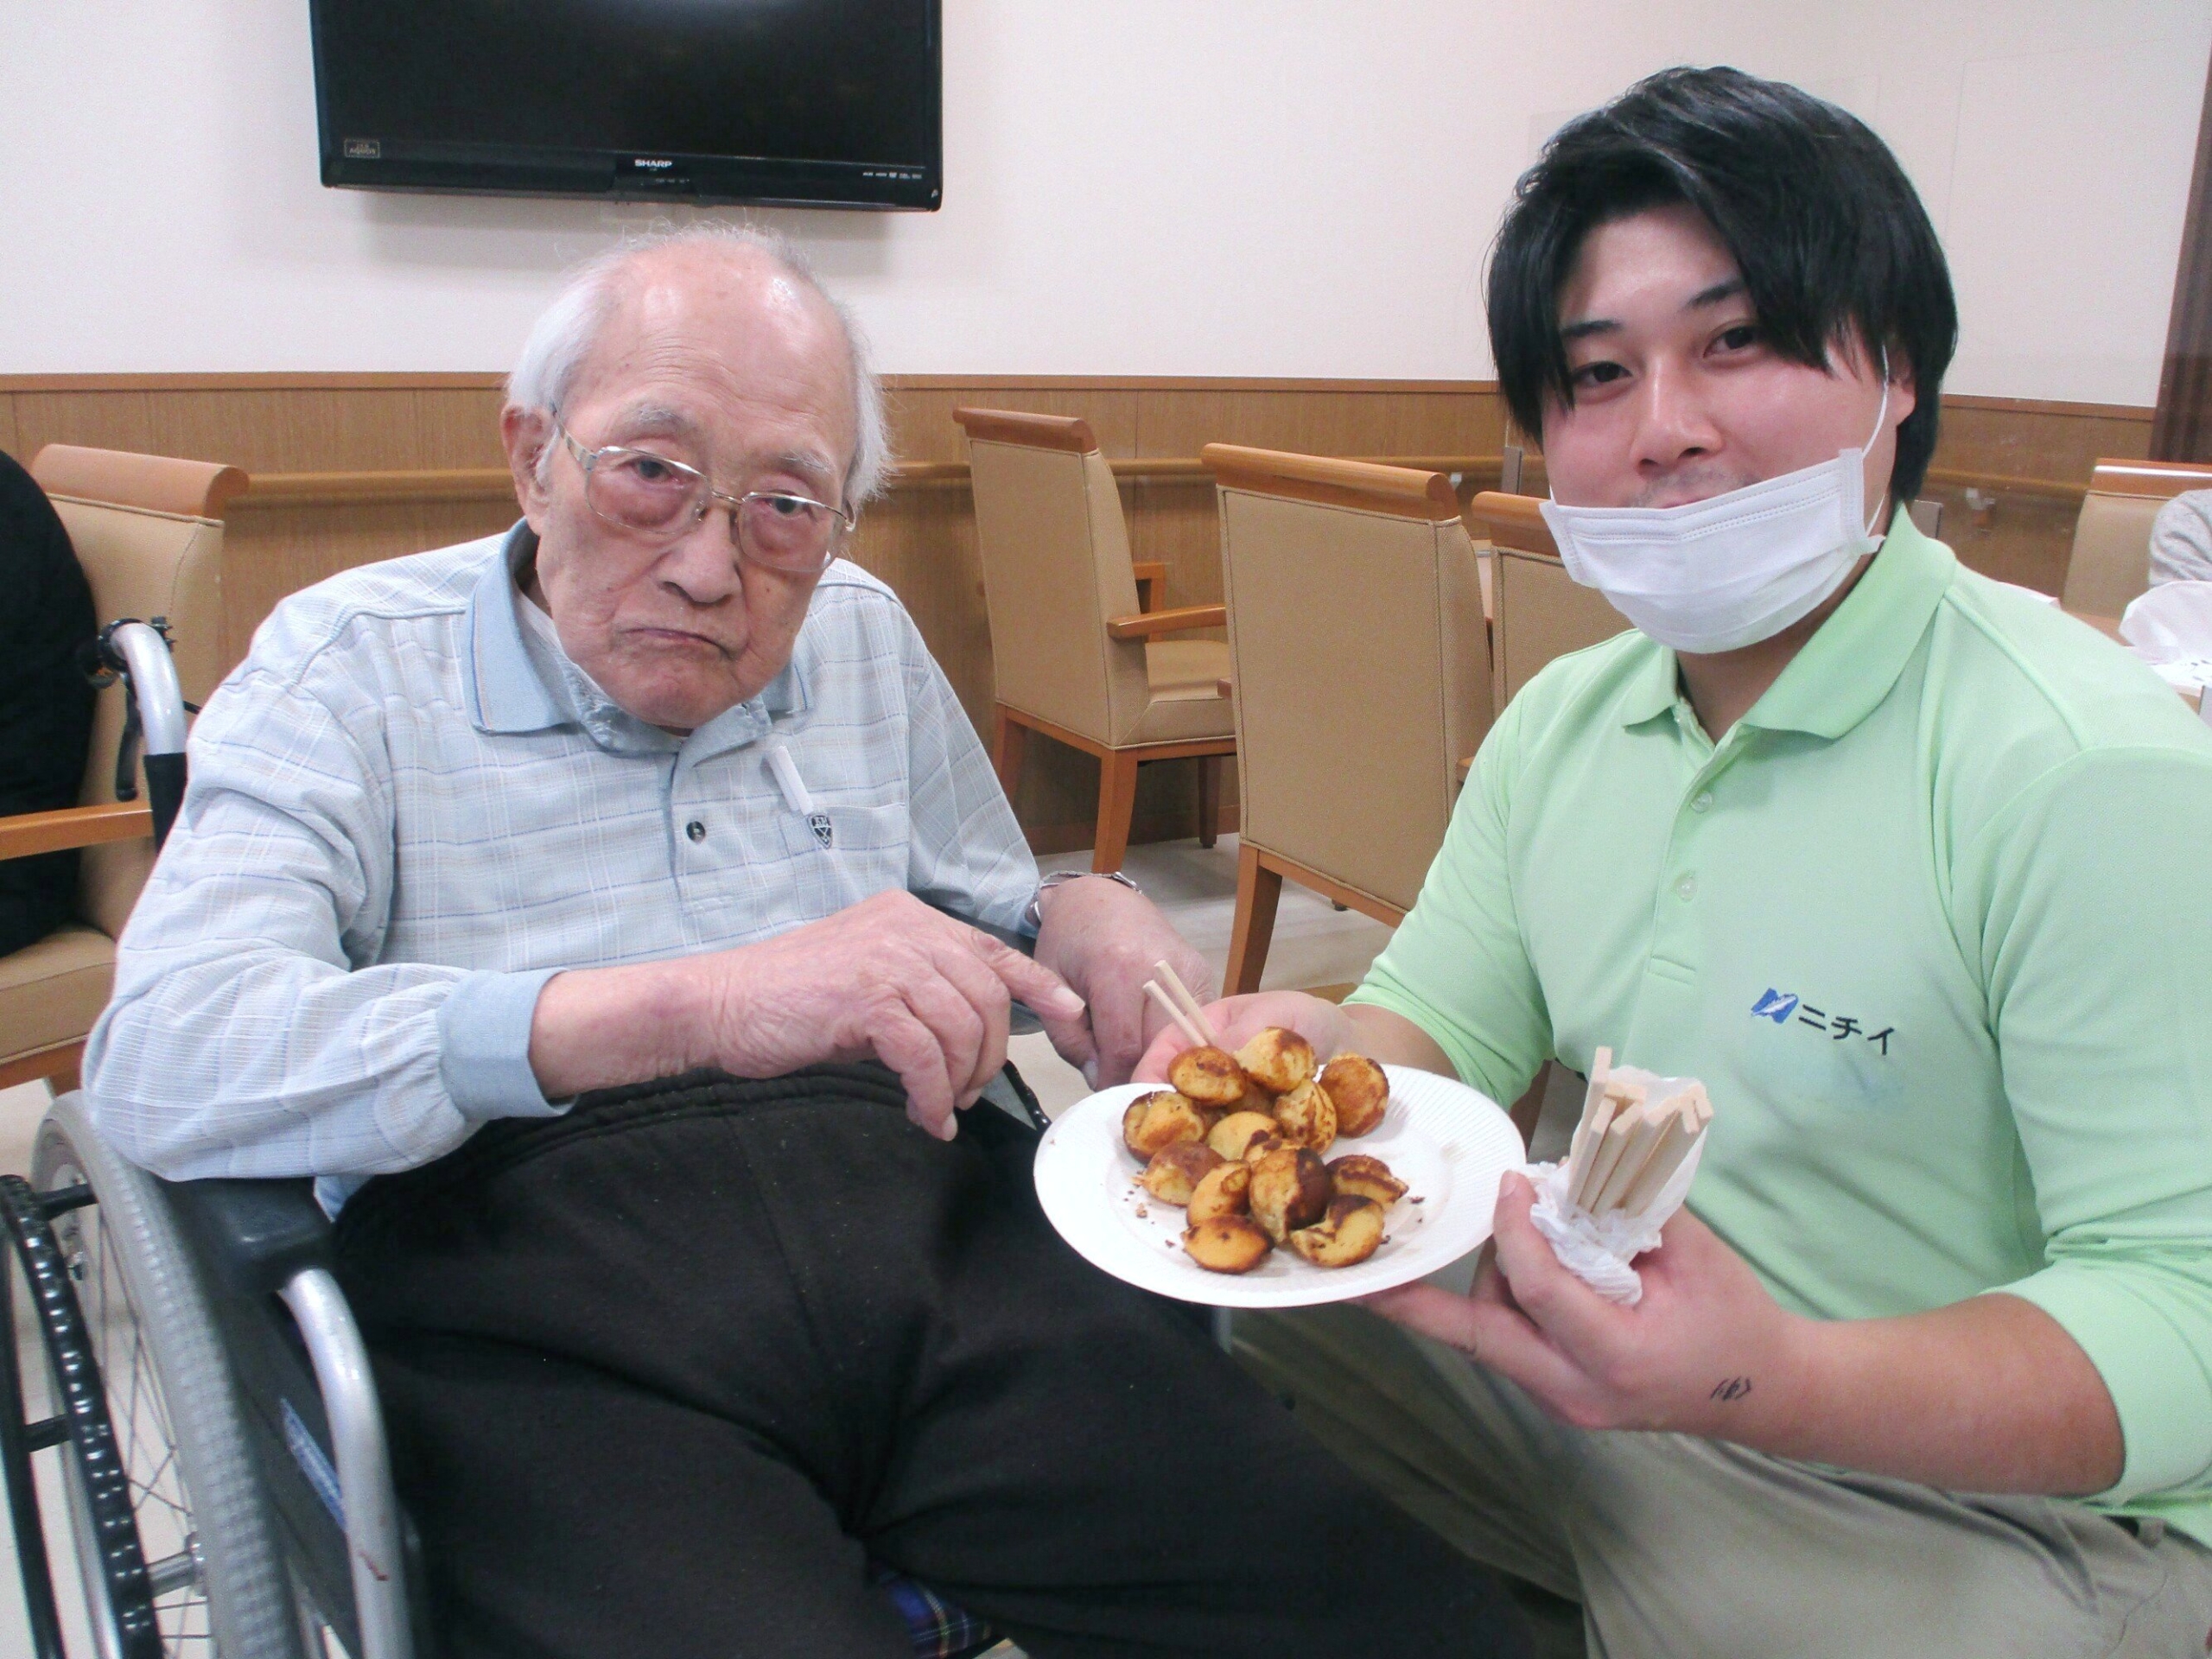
(848,851)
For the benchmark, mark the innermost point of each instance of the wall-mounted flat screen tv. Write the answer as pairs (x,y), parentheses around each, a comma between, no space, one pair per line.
(806,103)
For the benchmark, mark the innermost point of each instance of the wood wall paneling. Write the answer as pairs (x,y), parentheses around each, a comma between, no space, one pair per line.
(268,552)
(920,539)
(274,428)
(2024,538)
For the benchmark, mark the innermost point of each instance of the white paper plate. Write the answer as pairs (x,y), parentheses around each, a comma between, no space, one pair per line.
(1450,1144)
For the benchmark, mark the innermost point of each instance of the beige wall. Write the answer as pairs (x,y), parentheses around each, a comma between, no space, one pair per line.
(1144,187)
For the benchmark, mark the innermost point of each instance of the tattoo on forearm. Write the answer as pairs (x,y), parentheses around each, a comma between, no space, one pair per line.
(1731,1388)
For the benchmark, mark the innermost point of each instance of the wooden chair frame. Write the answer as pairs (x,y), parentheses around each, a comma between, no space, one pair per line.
(1404,491)
(1117,776)
(1118,767)
(2154,480)
(1259,876)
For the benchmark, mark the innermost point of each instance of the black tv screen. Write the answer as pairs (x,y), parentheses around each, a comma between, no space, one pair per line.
(811,103)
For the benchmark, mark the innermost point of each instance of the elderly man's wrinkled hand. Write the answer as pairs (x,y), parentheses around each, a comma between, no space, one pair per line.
(1104,938)
(890,978)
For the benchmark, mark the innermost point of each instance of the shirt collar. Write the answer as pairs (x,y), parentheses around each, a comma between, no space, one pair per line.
(1652,684)
(509,689)
(506,691)
(1843,672)
(1849,664)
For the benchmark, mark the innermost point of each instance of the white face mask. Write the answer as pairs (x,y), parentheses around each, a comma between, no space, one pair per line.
(1726,573)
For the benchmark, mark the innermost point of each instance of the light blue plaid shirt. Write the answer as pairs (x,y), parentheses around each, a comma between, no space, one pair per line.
(407,809)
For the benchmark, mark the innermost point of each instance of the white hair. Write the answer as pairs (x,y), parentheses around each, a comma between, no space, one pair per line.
(566,330)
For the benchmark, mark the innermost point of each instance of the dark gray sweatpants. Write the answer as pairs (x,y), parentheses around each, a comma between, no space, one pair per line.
(665,1375)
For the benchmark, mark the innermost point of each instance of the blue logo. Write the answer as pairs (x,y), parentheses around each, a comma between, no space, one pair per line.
(1774,1005)
(819,822)
(1779,1006)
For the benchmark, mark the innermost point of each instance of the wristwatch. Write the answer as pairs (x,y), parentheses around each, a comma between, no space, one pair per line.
(1033,915)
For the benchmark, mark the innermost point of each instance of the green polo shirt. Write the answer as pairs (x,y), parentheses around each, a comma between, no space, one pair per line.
(1934,923)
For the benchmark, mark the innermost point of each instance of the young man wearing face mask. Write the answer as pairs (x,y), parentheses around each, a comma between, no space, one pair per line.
(1909,869)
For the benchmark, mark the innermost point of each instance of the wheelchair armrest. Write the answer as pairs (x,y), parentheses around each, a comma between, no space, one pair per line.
(252,1237)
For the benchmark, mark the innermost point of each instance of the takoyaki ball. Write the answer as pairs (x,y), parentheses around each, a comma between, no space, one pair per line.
(1256,1099)
(1306,1118)
(1277,1059)
(1227,1245)
(1350,1230)
(1224,1190)
(1160,1119)
(1232,1136)
(1290,1190)
(1175,1170)
(1359,1091)
(1208,1076)
(1359,1175)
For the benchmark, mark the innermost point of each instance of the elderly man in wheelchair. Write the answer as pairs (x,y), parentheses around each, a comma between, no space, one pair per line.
(611,918)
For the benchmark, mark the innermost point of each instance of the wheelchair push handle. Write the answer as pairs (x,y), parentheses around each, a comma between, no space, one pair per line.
(139,654)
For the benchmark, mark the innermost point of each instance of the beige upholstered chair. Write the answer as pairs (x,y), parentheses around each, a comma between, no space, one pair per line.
(148,531)
(1538,611)
(1075,656)
(1362,675)
(2110,562)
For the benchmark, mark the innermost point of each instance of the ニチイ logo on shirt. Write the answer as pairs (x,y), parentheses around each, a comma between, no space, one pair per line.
(1780,1005)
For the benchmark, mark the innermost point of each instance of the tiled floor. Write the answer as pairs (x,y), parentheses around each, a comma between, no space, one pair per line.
(1314,945)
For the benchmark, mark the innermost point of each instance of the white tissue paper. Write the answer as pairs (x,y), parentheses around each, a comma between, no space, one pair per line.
(1601,1250)
(2171,628)
(2171,621)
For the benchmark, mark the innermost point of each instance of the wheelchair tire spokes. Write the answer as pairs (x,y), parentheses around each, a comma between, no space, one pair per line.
(145,1439)
(96,1465)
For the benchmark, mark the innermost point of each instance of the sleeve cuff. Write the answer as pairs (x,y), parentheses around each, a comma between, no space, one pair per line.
(2156,1378)
(484,1040)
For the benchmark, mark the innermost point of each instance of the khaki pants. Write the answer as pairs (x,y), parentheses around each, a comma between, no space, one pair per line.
(1672,1545)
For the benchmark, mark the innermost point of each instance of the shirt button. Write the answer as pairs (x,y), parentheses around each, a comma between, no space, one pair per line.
(1703,803)
(696,829)
(1685,889)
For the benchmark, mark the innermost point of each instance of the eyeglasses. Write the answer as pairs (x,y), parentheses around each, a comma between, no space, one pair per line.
(651,495)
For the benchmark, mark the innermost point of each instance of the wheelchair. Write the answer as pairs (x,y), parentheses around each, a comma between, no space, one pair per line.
(191,1360)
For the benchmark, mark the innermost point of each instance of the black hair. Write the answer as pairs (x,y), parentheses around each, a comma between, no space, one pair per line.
(1829,234)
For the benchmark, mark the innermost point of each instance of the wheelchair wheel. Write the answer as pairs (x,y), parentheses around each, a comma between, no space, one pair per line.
(191,1569)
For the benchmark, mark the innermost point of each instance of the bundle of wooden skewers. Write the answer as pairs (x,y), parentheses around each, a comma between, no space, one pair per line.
(1629,1145)
(1176,1000)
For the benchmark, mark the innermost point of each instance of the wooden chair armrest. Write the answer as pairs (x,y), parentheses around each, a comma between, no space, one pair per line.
(28,833)
(1178,620)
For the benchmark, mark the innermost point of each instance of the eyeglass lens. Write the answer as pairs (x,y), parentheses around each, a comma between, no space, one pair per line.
(643,492)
